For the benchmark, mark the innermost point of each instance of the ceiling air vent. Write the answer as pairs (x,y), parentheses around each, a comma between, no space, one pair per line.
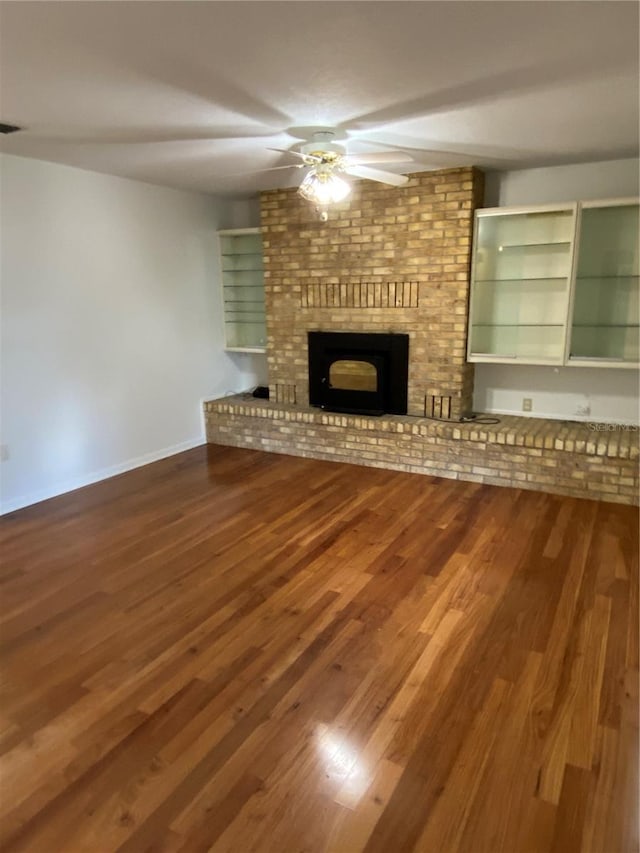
(8,128)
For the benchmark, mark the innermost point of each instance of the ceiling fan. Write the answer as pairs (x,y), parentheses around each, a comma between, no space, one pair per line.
(326,160)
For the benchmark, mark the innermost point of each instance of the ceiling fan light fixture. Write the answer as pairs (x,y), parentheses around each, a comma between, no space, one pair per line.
(323,187)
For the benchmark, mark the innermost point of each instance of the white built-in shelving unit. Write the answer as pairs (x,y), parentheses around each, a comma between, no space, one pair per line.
(242,266)
(556,285)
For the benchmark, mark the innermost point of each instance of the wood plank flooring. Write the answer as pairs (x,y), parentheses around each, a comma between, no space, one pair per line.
(237,651)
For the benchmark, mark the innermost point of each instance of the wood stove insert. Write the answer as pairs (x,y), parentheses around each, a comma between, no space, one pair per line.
(359,373)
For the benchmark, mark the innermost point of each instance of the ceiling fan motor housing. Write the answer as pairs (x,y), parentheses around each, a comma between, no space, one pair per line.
(323,147)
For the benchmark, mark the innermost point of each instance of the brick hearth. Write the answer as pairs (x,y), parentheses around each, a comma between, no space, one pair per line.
(529,453)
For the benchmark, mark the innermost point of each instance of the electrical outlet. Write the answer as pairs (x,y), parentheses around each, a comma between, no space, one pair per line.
(526,404)
(4,452)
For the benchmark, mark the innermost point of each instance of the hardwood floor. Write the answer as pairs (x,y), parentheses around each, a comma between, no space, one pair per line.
(238,651)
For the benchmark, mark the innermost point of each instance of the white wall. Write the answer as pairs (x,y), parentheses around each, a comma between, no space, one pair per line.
(577,393)
(111,325)
(576,182)
(565,392)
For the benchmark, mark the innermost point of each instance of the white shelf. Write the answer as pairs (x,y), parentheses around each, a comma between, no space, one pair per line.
(533,245)
(246,349)
(603,362)
(518,325)
(520,280)
(492,358)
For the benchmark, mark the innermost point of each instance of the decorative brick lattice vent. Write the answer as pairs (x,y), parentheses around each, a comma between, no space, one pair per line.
(361,294)
(437,406)
(285,394)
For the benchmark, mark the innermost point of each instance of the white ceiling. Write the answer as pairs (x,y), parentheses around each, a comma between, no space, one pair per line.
(188,94)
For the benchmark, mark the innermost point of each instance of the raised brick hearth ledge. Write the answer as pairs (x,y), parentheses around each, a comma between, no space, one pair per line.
(569,458)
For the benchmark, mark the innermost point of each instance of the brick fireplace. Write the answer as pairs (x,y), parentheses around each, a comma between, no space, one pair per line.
(390,259)
(397,261)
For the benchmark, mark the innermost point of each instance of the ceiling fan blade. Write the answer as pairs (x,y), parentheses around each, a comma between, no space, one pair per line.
(377,175)
(444,155)
(143,135)
(296,154)
(271,169)
(379,157)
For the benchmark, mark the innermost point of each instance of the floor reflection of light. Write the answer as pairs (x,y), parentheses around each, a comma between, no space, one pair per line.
(340,759)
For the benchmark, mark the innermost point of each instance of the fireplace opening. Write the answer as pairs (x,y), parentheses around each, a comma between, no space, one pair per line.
(353,375)
(359,373)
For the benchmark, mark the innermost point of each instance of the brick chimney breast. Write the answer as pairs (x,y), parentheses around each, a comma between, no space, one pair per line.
(389,259)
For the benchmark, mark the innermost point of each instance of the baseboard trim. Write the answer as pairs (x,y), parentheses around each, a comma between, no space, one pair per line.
(97,476)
